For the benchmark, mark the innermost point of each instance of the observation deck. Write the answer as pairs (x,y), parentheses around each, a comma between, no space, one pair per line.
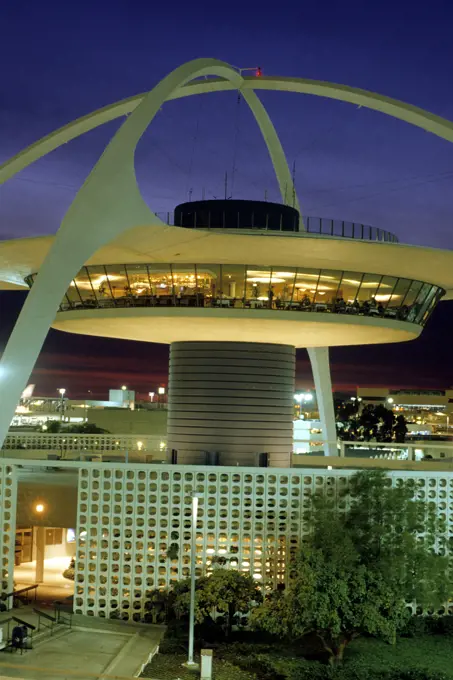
(227,300)
(197,301)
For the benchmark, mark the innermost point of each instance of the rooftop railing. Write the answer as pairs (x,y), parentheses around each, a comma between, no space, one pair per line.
(321,226)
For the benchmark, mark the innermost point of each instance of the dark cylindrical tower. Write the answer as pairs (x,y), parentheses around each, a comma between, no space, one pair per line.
(231,403)
(237,214)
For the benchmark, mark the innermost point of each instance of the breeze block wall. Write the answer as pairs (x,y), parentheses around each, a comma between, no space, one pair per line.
(8,496)
(129,517)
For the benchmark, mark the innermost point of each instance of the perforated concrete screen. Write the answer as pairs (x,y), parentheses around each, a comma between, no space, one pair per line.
(253,518)
(8,494)
(134,524)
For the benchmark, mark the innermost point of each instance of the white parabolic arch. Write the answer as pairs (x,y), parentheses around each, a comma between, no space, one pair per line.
(108,203)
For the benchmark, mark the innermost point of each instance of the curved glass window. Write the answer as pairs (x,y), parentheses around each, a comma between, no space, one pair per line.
(279,288)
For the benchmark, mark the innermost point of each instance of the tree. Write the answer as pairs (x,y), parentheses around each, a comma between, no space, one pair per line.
(157,605)
(383,431)
(347,417)
(400,429)
(400,538)
(372,422)
(359,568)
(86,428)
(230,592)
(53,426)
(225,591)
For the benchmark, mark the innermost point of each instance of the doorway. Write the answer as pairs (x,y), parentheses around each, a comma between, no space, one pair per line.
(44,555)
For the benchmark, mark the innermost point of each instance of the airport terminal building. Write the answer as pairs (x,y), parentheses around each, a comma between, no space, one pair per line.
(234,287)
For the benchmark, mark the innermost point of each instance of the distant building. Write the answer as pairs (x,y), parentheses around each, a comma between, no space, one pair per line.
(123,398)
(428,411)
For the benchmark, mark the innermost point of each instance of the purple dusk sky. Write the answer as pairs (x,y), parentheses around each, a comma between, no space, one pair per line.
(63,60)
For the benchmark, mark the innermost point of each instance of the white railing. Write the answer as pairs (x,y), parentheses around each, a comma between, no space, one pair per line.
(39,444)
(410,450)
(83,442)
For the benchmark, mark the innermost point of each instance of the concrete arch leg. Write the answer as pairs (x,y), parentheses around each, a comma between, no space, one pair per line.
(319,359)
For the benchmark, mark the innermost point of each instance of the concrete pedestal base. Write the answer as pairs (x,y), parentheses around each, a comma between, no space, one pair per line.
(229,402)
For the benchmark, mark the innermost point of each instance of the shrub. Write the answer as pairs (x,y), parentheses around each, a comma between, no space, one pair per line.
(353,672)
(171,646)
(446,625)
(418,626)
(177,629)
(69,573)
(268,667)
(299,669)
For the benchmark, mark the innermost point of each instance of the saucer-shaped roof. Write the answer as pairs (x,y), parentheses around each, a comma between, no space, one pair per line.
(169,244)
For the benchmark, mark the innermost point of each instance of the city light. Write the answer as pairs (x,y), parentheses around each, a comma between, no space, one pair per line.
(303,397)
(445,415)
(124,388)
(62,391)
(390,400)
(161,390)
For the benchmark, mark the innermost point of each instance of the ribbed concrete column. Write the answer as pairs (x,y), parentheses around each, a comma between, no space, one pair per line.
(231,398)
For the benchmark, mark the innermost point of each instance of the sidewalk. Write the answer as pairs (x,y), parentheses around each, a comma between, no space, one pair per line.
(92,649)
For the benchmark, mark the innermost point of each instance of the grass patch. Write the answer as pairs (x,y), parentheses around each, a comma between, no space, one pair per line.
(428,656)
(433,652)
(169,667)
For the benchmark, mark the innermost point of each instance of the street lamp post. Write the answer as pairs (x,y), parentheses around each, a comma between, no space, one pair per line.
(190,662)
(86,407)
(62,391)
